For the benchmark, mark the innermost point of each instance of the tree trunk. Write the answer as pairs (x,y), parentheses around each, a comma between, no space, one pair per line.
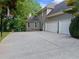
(8,11)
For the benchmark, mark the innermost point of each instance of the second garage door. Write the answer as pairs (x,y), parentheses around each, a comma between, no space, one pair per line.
(64,24)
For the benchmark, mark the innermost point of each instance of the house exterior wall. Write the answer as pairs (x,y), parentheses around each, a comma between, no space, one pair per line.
(34,26)
(31,26)
(42,18)
(49,10)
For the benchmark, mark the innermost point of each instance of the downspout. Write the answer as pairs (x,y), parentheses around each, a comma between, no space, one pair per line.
(44,22)
(58,27)
(41,22)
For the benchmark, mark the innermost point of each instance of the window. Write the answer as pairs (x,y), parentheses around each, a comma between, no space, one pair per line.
(28,24)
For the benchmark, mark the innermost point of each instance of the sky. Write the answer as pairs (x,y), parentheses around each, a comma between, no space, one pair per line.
(43,3)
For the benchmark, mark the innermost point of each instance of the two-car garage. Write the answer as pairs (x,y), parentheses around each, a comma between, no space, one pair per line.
(58,24)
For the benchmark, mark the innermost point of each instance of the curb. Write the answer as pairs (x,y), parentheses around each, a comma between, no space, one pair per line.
(6,37)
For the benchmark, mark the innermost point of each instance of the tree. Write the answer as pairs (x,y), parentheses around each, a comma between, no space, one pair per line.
(23,8)
(20,10)
(5,7)
(74,26)
(74,5)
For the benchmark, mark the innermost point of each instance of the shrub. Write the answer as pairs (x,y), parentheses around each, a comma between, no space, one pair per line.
(74,27)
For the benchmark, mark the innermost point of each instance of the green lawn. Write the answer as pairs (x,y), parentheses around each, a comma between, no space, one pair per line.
(4,34)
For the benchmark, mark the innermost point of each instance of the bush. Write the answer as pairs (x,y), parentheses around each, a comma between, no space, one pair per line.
(74,27)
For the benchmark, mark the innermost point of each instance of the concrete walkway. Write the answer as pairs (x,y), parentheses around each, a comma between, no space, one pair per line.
(39,45)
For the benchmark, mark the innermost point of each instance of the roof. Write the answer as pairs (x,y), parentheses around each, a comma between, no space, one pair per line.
(58,8)
(43,9)
(49,6)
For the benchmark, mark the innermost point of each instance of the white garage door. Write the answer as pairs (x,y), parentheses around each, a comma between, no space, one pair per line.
(64,23)
(51,25)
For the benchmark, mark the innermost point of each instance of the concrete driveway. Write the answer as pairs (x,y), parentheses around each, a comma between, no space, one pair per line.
(39,45)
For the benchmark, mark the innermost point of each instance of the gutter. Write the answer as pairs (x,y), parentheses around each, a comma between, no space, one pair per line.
(55,14)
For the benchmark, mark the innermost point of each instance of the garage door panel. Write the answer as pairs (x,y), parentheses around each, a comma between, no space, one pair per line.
(51,26)
(64,27)
(64,24)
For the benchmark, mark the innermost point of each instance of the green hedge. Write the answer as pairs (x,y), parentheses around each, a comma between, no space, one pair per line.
(74,27)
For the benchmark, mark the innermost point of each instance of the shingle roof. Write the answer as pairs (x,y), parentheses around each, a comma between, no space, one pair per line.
(59,7)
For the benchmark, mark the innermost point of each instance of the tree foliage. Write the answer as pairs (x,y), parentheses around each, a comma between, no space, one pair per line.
(70,2)
(20,10)
(74,26)
(74,4)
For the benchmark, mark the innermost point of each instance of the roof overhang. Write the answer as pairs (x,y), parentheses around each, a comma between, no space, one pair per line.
(40,11)
(57,13)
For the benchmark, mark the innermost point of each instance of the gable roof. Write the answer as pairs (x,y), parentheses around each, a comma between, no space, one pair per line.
(49,6)
(58,8)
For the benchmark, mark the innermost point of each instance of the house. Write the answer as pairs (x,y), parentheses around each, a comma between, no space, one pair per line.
(57,21)
(53,19)
(37,23)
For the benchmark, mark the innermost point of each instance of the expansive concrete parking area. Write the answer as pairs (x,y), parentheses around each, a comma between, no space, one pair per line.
(39,45)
